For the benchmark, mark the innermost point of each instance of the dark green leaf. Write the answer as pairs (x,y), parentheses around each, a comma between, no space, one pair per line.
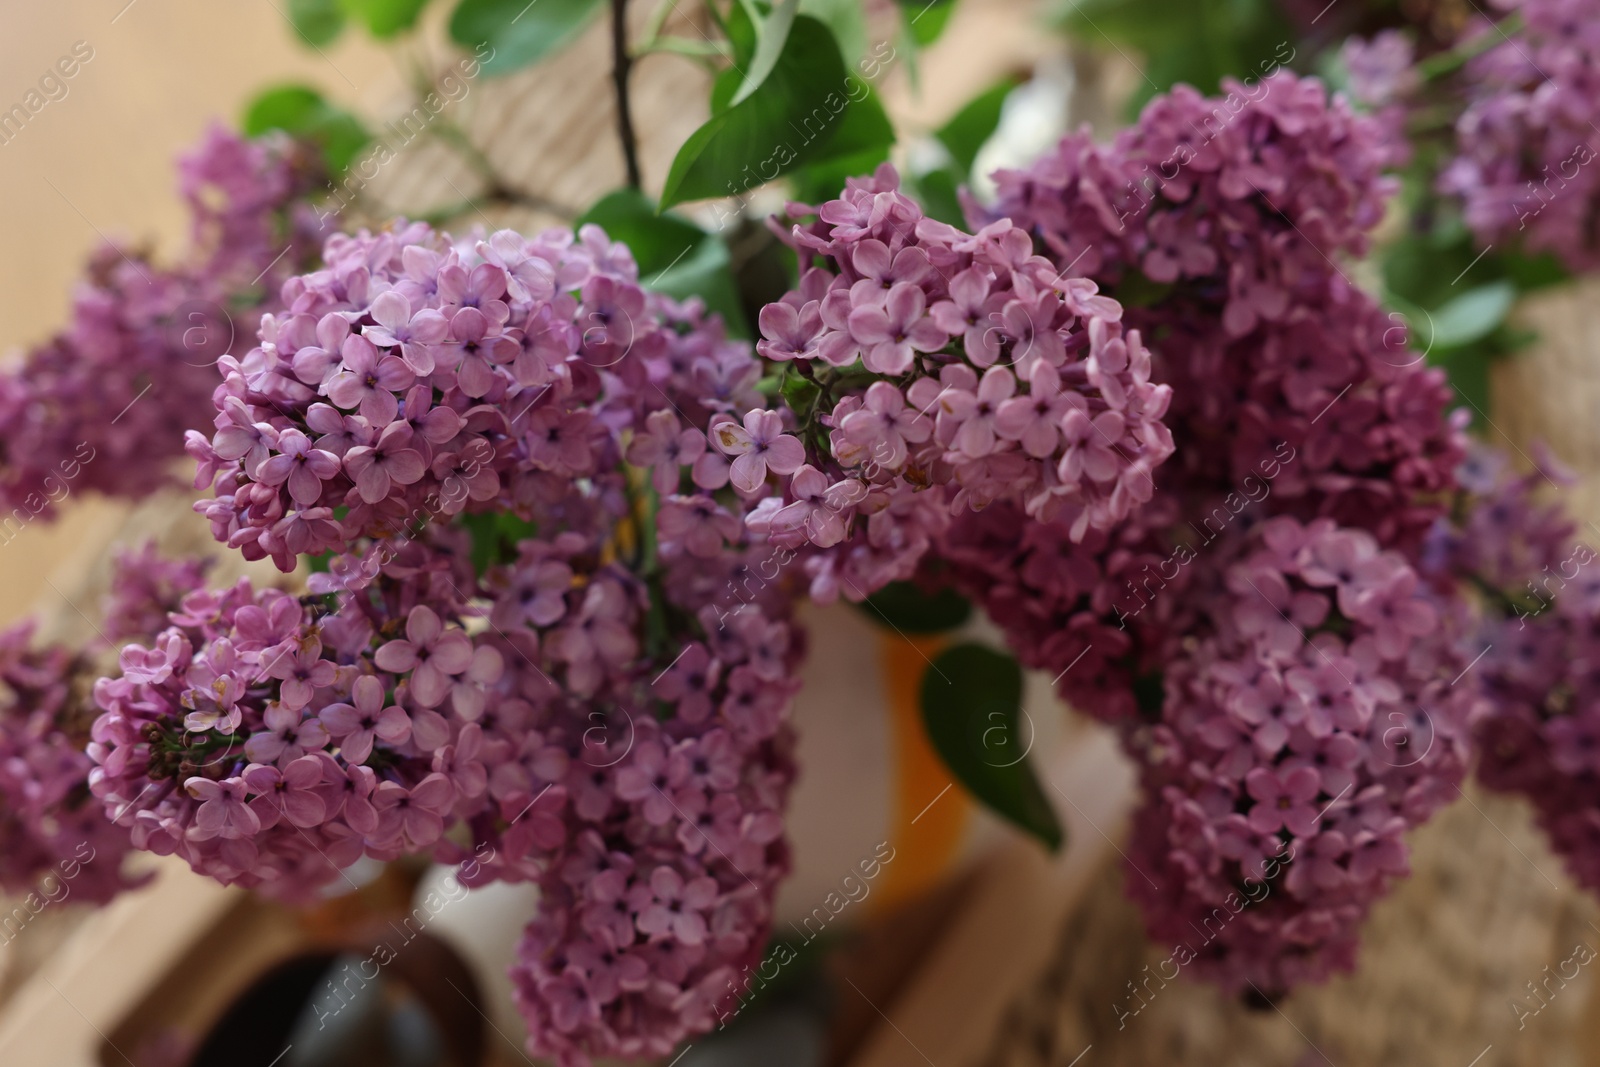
(1468,371)
(1472,315)
(821,182)
(926,19)
(846,19)
(974,124)
(971,707)
(675,256)
(1533,272)
(1136,290)
(800,393)
(723,88)
(494,537)
(937,192)
(808,109)
(904,607)
(385,18)
(1192,41)
(316,21)
(655,240)
(302,112)
(771,35)
(519,33)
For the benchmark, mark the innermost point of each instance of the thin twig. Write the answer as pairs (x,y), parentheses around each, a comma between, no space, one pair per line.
(622,63)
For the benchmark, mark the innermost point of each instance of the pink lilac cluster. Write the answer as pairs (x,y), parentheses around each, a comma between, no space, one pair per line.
(1380,70)
(1232,208)
(1315,721)
(51,830)
(1298,413)
(1318,411)
(649,811)
(1540,590)
(415,377)
(601,709)
(50,824)
(102,404)
(953,370)
(1526,142)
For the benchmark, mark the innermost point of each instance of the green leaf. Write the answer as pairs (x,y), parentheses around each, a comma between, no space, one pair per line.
(971,704)
(824,181)
(301,111)
(937,191)
(494,537)
(519,33)
(1468,371)
(771,35)
(974,124)
(1530,272)
(675,256)
(926,19)
(847,20)
(385,18)
(804,112)
(740,28)
(1472,315)
(1192,41)
(906,608)
(317,22)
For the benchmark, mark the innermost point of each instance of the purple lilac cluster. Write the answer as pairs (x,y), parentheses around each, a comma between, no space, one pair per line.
(50,827)
(50,823)
(1274,357)
(1316,720)
(1299,414)
(1526,141)
(1540,589)
(99,405)
(414,377)
(948,361)
(594,708)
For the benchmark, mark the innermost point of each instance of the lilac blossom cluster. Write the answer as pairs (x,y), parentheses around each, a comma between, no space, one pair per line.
(49,821)
(1270,351)
(97,405)
(953,370)
(1540,600)
(1316,719)
(1526,140)
(1298,414)
(49,824)
(517,653)
(414,377)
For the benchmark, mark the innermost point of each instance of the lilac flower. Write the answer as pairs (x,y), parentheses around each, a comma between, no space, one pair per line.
(387,462)
(368,381)
(365,719)
(757,446)
(290,793)
(414,334)
(287,736)
(299,464)
(670,907)
(432,653)
(1283,801)
(223,811)
(896,331)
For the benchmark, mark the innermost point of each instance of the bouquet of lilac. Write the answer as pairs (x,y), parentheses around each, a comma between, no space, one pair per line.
(552,526)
